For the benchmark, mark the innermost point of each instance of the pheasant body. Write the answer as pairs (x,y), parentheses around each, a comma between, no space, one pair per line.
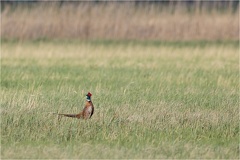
(87,112)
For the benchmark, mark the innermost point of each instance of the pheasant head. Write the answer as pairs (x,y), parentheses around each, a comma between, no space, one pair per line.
(89,96)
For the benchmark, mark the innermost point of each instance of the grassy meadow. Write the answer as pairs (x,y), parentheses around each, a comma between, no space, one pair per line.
(152,99)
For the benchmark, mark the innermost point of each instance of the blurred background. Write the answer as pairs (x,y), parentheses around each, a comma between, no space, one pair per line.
(155,20)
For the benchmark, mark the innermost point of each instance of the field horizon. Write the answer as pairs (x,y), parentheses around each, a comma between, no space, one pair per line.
(121,21)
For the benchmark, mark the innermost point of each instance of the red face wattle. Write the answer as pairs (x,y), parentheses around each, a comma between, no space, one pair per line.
(89,94)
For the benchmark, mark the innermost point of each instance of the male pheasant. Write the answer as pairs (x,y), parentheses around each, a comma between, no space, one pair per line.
(87,111)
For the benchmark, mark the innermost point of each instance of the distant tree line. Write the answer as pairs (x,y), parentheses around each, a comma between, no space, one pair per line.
(189,5)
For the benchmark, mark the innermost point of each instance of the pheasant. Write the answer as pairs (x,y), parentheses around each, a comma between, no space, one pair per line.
(87,111)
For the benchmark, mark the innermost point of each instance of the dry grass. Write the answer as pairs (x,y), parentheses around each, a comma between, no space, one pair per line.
(116,21)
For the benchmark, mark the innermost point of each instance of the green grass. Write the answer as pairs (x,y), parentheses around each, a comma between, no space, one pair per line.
(152,100)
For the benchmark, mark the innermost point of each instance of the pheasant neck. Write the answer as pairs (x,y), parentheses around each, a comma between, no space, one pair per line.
(88,99)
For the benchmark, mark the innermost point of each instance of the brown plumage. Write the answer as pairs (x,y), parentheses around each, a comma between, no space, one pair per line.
(87,110)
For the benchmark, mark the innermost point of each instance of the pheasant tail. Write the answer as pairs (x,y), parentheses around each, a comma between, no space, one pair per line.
(72,115)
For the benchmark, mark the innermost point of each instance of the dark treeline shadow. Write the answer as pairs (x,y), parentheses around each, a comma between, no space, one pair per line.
(189,6)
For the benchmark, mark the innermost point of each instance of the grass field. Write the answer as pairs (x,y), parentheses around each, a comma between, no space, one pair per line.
(152,99)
